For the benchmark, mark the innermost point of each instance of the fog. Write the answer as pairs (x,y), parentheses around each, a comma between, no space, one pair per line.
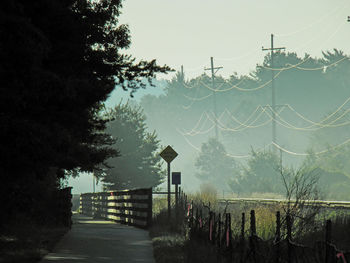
(185,108)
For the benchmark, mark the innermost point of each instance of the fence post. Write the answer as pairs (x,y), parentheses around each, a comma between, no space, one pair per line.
(289,237)
(219,231)
(213,228)
(196,219)
(229,233)
(226,231)
(252,234)
(242,238)
(278,236)
(150,207)
(328,240)
(191,215)
(210,226)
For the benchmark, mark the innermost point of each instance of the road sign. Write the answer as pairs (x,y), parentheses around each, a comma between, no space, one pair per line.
(176,178)
(168,154)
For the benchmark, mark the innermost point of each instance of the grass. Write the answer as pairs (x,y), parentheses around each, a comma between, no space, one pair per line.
(172,244)
(27,241)
(167,237)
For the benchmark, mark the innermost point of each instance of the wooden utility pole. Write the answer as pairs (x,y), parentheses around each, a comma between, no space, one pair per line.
(272,49)
(212,68)
(182,74)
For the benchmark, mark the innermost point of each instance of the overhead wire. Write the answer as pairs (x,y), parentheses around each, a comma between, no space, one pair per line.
(314,153)
(241,89)
(321,122)
(288,125)
(222,90)
(302,68)
(249,117)
(285,68)
(323,67)
(250,126)
(198,123)
(194,132)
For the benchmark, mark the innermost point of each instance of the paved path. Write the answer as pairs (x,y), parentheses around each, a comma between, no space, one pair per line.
(95,241)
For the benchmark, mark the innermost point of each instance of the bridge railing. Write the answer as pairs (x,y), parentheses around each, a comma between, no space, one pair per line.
(131,207)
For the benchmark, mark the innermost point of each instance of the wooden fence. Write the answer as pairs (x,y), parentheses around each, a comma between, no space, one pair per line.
(131,207)
(215,230)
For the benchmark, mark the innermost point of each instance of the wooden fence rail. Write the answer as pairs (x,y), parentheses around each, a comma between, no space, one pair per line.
(131,207)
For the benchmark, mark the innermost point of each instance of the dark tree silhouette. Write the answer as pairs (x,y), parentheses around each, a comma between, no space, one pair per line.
(60,59)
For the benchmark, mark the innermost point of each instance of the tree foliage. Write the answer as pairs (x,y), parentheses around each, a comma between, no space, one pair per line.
(59,62)
(214,165)
(139,163)
(261,174)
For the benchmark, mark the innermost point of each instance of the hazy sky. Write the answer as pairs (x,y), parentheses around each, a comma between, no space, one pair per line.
(189,32)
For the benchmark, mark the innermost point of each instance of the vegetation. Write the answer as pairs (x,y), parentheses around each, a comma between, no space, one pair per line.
(60,60)
(177,242)
(260,175)
(244,123)
(214,166)
(138,164)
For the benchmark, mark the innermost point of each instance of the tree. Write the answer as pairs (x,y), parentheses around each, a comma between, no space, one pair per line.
(333,163)
(301,193)
(139,164)
(59,62)
(214,165)
(260,175)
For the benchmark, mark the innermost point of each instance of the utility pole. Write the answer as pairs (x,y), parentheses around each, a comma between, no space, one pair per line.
(182,73)
(272,49)
(212,68)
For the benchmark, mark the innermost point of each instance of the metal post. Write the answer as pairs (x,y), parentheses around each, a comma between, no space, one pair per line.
(169,212)
(176,195)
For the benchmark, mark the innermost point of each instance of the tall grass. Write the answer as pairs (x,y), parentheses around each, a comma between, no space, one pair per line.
(172,244)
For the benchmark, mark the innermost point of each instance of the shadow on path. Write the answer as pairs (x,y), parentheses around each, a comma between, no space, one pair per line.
(94,241)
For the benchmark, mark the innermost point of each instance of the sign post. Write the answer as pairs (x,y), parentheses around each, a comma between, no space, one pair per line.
(168,154)
(176,180)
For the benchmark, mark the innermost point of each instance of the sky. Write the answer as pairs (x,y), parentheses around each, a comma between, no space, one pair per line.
(233,32)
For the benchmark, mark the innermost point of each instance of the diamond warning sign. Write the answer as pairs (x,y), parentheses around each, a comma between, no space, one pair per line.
(168,154)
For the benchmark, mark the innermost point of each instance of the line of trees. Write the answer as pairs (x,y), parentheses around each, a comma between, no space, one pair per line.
(315,88)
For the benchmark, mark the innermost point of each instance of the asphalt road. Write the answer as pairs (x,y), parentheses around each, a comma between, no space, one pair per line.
(95,241)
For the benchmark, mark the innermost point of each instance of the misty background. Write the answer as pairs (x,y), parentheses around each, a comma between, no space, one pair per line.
(311,78)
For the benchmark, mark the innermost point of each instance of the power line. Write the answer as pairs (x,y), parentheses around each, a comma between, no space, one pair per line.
(313,153)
